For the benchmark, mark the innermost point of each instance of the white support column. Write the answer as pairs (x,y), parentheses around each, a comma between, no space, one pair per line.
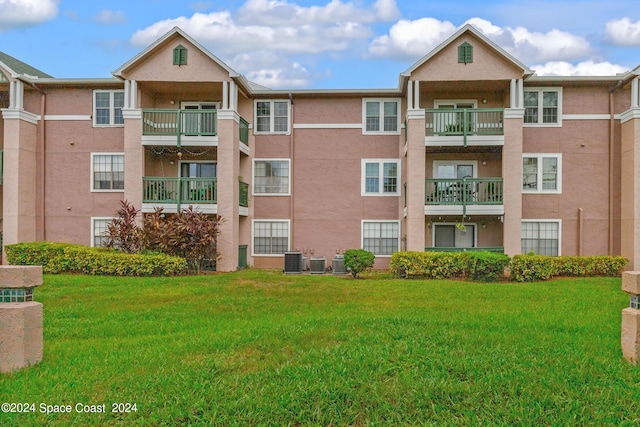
(520,95)
(127,95)
(635,101)
(19,95)
(12,95)
(512,94)
(233,96)
(225,95)
(416,96)
(134,94)
(410,95)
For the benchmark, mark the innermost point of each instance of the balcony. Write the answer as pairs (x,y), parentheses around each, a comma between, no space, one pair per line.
(464,127)
(173,194)
(464,196)
(179,127)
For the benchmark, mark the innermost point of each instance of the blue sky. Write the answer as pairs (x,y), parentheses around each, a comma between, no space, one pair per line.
(333,44)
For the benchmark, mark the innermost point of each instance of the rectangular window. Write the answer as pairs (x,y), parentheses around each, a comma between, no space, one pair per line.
(272,116)
(271,177)
(270,237)
(107,171)
(541,237)
(542,106)
(381,116)
(381,237)
(380,177)
(107,107)
(98,230)
(542,173)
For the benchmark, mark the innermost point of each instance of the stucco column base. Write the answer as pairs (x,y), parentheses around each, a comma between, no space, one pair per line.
(21,337)
(631,335)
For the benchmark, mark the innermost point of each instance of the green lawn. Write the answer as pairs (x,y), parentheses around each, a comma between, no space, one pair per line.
(260,348)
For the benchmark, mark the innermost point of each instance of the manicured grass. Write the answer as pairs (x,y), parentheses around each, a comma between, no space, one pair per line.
(260,348)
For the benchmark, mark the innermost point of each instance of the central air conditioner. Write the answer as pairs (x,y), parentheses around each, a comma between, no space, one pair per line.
(338,265)
(293,263)
(317,265)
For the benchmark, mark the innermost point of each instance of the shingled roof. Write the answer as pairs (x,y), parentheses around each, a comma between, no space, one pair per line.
(19,67)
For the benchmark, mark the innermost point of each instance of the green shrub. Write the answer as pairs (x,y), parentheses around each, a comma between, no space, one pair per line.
(66,258)
(428,265)
(487,266)
(483,266)
(529,268)
(34,253)
(358,260)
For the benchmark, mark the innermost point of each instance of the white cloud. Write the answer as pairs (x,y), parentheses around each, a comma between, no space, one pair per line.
(228,37)
(24,13)
(273,72)
(623,32)
(111,17)
(281,12)
(585,68)
(409,40)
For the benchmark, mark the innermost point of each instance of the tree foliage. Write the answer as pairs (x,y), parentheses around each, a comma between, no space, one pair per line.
(189,234)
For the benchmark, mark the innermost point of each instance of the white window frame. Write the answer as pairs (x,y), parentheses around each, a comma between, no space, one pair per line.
(370,221)
(539,189)
(91,181)
(253,231)
(271,130)
(381,130)
(557,221)
(253,177)
(540,91)
(380,163)
(93,227)
(112,108)
(380,191)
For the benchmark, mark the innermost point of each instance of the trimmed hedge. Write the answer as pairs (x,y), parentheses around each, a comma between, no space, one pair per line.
(67,258)
(481,266)
(490,266)
(428,265)
(529,268)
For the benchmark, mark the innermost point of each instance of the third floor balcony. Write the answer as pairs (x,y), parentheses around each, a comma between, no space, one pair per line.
(189,127)
(464,127)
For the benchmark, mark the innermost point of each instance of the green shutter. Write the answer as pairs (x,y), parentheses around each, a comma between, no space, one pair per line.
(180,55)
(465,53)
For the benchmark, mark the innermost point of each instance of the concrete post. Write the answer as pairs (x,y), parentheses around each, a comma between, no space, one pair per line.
(21,339)
(630,337)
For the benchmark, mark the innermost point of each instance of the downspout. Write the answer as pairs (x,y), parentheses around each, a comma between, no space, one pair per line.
(43,165)
(291,174)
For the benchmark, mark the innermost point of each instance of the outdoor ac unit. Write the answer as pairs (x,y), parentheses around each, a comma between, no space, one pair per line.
(338,265)
(293,262)
(317,265)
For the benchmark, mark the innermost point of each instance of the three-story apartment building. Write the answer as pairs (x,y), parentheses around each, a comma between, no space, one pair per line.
(471,151)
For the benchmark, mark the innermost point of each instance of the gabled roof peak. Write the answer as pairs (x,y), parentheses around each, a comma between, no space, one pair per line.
(175,30)
(468,28)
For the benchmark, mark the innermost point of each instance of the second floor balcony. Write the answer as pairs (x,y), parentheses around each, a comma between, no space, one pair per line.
(189,127)
(464,196)
(175,193)
(464,126)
